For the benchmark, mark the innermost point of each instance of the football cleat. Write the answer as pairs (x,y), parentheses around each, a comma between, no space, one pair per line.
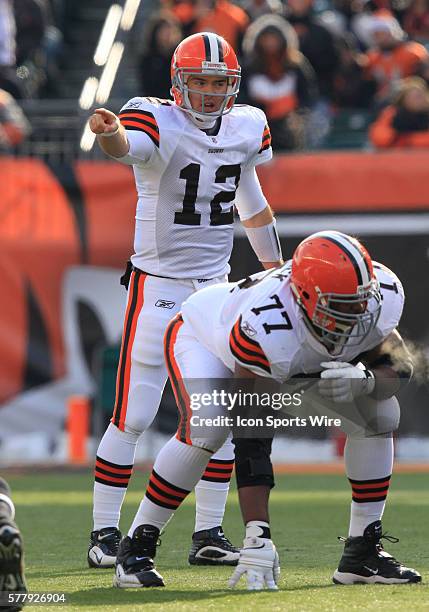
(11,563)
(103,547)
(365,561)
(212,547)
(134,564)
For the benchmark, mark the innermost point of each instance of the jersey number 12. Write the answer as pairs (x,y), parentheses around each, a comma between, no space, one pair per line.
(191,174)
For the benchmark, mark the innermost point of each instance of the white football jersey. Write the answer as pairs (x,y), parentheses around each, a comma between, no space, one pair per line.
(186,182)
(258,324)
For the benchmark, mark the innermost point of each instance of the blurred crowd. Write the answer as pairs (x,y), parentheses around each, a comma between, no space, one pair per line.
(304,62)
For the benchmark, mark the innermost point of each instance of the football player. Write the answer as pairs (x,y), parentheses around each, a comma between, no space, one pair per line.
(193,158)
(329,313)
(11,552)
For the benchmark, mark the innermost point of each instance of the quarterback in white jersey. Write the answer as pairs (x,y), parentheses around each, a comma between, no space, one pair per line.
(194,159)
(329,314)
(187,181)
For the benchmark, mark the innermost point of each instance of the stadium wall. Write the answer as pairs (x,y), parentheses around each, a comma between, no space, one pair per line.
(62,225)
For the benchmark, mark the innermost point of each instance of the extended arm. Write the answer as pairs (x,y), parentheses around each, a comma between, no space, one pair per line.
(111,135)
(258,220)
(133,147)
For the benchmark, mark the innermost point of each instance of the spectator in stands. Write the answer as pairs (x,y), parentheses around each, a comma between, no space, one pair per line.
(416,21)
(279,79)
(406,122)
(423,70)
(8,80)
(257,8)
(14,126)
(352,89)
(39,45)
(222,17)
(163,36)
(31,21)
(316,42)
(392,57)
(345,17)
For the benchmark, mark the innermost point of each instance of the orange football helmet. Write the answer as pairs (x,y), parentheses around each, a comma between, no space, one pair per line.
(333,281)
(204,53)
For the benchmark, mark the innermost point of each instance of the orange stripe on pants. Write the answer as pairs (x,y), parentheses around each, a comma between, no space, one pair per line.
(134,306)
(180,393)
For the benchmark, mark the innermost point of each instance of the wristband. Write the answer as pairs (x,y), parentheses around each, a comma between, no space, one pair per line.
(109,134)
(265,242)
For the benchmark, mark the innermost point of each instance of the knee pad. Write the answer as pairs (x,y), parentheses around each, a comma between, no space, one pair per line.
(210,443)
(127,435)
(144,397)
(380,416)
(253,465)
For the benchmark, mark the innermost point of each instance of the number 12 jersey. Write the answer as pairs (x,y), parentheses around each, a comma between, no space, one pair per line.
(186,181)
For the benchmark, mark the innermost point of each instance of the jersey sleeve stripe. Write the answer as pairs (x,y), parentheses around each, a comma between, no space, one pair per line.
(139,113)
(246,356)
(140,127)
(266,139)
(249,363)
(258,353)
(251,357)
(240,333)
(265,147)
(245,348)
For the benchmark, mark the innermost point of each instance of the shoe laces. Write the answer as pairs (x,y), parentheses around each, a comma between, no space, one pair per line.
(384,536)
(387,557)
(145,543)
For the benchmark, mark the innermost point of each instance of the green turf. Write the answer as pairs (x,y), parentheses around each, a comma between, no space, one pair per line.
(307,513)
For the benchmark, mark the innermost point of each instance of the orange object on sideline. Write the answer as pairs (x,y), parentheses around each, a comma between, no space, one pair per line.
(78,410)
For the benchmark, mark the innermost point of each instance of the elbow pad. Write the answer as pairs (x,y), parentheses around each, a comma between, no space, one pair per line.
(265,242)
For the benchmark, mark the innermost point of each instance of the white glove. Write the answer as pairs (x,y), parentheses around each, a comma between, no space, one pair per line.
(260,562)
(344,382)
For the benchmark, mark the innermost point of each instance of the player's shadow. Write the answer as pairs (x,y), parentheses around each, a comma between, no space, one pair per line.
(160,595)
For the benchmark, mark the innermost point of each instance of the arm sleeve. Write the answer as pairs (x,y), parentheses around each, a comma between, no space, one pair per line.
(249,199)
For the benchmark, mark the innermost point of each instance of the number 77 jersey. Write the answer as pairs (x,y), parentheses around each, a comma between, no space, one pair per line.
(186,181)
(257,324)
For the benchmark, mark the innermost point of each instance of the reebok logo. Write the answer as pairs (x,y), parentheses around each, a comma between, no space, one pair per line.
(248,329)
(133,105)
(164,304)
